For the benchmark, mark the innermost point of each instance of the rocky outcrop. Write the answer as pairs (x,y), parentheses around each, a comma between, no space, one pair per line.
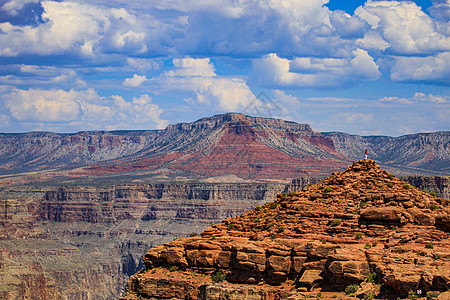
(362,225)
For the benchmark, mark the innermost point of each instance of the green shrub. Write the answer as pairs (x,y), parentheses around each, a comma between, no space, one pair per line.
(280,228)
(412,295)
(369,296)
(334,296)
(433,207)
(391,176)
(425,191)
(273,205)
(433,194)
(372,277)
(406,186)
(327,189)
(218,276)
(358,235)
(367,246)
(336,222)
(429,245)
(173,269)
(352,288)
(390,185)
(258,208)
(436,257)
(230,226)
(193,234)
(432,295)
(310,184)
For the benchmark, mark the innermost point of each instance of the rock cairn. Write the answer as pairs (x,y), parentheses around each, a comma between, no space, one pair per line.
(362,231)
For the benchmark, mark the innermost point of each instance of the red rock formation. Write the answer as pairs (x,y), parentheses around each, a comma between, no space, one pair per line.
(362,226)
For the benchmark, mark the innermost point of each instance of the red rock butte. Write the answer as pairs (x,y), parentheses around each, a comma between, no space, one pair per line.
(361,231)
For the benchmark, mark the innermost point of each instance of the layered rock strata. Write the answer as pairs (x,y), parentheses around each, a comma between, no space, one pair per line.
(362,226)
(83,242)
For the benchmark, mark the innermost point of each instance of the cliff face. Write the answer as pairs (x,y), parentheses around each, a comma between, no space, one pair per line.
(46,150)
(361,227)
(84,242)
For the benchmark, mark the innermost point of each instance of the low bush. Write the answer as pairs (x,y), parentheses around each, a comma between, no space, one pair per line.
(336,222)
(358,235)
(327,189)
(218,276)
(352,288)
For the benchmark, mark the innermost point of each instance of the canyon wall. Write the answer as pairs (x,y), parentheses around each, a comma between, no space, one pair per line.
(78,242)
(83,242)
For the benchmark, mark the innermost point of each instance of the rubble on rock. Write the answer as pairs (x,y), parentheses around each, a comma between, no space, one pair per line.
(362,226)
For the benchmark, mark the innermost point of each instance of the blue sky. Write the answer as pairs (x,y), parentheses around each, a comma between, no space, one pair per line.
(362,67)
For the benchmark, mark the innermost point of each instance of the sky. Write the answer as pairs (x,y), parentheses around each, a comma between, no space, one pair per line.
(361,67)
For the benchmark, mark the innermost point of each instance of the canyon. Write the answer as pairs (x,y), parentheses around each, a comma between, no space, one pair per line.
(83,242)
(78,211)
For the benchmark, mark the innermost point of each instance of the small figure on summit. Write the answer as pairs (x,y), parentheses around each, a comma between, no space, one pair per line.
(365,154)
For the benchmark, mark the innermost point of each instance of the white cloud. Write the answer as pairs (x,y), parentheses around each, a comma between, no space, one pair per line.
(75,28)
(432,68)
(82,107)
(418,97)
(41,105)
(431,98)
(192,67)
(274,71)
(348,26)
(404,26)
(198,79)
(13,6)
(135,81)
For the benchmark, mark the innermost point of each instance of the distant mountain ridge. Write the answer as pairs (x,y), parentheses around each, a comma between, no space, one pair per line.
(249,147)
(428,151)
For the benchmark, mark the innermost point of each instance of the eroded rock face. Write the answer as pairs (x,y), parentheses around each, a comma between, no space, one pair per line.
(355,223)
(83,242)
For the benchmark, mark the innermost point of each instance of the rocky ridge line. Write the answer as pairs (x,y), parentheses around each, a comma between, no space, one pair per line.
(362,226)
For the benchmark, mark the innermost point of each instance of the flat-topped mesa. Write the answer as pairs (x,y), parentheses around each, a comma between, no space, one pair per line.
(355,223)
(231,118)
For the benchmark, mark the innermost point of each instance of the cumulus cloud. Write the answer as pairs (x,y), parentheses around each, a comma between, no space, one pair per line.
(82,107)
(198,79)
(135,81)
(428,69)
(404,26)
(275,71)
(76,28)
